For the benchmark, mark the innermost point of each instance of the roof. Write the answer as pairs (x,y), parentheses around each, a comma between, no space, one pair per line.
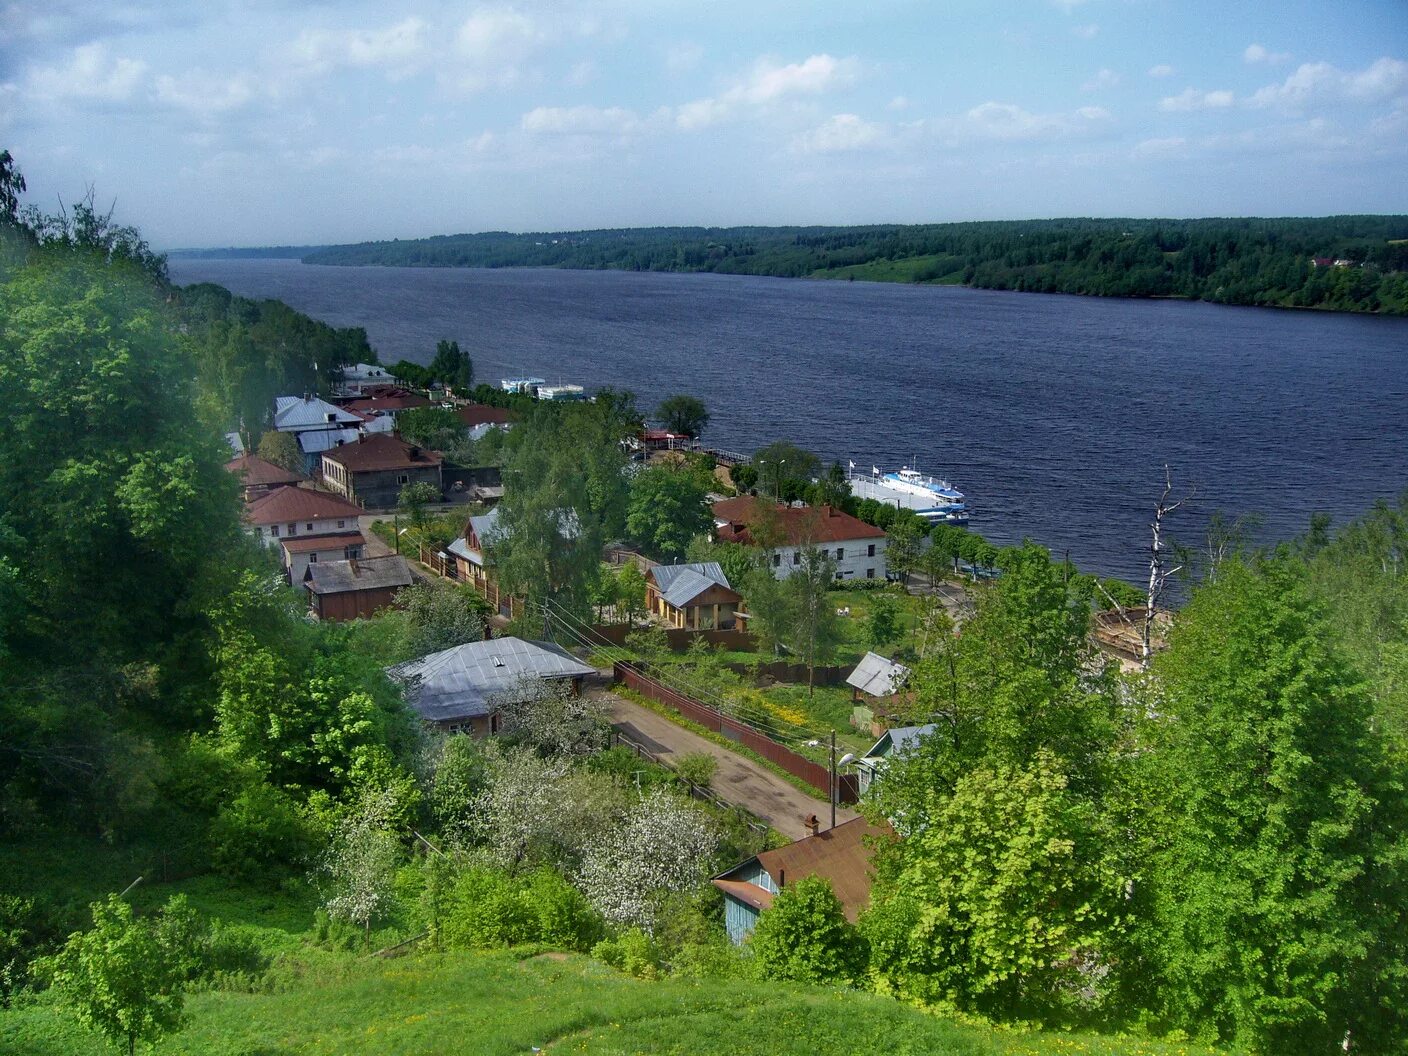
(396,400)
(899,740)
(799,526)
(459,683)
(364,372)
(473,414)
(484,525)
(681,584)
(382,451)
(298,504)
(749,894)
(366,573)
(877,676)
(841,855)
(303,544)
(316,441)
(253,472)
(308,412)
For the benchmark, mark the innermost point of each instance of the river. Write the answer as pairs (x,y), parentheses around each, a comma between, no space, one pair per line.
(1055,414)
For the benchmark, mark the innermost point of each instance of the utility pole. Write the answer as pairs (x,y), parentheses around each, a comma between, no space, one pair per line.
(833,779)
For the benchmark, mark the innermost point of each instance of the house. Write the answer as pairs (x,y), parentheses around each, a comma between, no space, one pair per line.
(875,676)
(841,855)
(470,550)
(316,424)
(694,597)
(304,550)
(857,548)
(893,742)
(258,477)
(357,588)
(664,440)
(463,690)
(479,418)
(359,377)
(389,402)
(373,470)
(289,512)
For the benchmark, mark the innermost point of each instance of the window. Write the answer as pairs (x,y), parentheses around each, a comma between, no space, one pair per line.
(273,531)
(343,524)
(870,552)
(403,478)
(776,560)
(797,558)
(840,553)
(870,572)
(313,559)
(352,553)
(293,529)
(309,526)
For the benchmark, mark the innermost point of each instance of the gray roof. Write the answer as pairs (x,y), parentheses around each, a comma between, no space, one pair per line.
(485,524)
(316,441)
(681,584)
(460,548)
(367,573)
(899,740)
(458,683)
(292,413)
(877,676)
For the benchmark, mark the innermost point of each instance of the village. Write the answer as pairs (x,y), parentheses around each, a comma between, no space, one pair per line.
(356,513)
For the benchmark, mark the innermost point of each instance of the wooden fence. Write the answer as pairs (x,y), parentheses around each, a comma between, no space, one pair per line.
(814,774)
(680,639)
(697,791)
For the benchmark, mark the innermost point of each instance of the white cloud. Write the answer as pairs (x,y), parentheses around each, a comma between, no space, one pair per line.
(1256,53)
(769,83)
(582,73)
(1008,123)
(1106,78)
(1160,148)
(683,58)
(91,74)
(491,49)
(700,114)
(205,96)
(397,48)
(1320,84)
(1163,69)
(1086,32)
(842,133)
(1068,5)
(580,121)
(899,102)
(1195,99)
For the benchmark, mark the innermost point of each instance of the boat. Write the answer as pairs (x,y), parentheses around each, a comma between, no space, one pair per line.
(935,500)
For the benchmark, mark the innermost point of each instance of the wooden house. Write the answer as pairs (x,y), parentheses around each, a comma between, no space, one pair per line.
(258,477)
(356,589)
(695,597)
(373,470)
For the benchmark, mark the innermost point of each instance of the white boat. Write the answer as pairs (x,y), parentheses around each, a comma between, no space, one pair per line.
(935,500)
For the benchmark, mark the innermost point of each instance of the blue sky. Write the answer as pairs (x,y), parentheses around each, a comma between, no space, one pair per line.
(273,121)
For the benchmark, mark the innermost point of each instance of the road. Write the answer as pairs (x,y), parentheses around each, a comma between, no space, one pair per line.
(738,781)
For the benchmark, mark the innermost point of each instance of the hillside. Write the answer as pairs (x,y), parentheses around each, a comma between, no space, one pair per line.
(1255,261)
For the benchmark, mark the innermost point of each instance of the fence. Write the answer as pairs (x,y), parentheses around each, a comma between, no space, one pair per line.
(814,774)
(680,639)
(782,671)
(697,791)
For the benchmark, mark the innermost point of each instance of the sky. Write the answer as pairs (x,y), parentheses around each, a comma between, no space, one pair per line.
(274,122)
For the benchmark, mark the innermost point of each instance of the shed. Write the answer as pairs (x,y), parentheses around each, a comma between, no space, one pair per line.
(461,689)
(357,588)
(876,676)
(892,742)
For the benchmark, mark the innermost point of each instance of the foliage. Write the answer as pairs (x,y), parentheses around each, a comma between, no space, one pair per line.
(360,862)
(663,846)
(414,497)
(882,625)
(814,630)
(629,591)
(697,768)
(902,546)
(123,978)
(551,717)
(804,937)
(633,951)
(684,415)
(784,469)
(452,367)
(744,477)
(667,508)
(282,450)
(437,428)
(488,908)
(442,616)
(258,833)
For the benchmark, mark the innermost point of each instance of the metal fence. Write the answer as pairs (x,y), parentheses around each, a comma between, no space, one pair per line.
(813,773)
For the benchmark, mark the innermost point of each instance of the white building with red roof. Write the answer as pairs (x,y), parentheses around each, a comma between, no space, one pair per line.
(856,548)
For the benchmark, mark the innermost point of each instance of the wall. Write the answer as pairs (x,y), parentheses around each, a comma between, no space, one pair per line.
(353,605)
(381,488)
(854,565)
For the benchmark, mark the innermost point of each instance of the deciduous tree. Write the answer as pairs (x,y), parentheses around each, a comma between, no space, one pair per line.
(683,414)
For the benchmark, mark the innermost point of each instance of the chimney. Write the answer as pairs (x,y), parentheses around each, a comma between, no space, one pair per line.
(356,571)
(812,824)
(414,453)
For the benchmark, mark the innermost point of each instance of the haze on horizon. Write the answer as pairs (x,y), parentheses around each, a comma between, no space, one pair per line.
(280,122)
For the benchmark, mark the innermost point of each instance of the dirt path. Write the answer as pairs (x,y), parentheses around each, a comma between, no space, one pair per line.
(738,780)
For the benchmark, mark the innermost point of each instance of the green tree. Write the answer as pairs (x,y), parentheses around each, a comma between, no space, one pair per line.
(804,937)
(882,626)
(282,450)
(783,466)
(413,499)
(452,367)
(119,978)
(630,592)
(442,616)
(437,428)
(902,546)
(744,477)
(815,629)
(12,185)
(683,414)
(668,507)
(1276,849)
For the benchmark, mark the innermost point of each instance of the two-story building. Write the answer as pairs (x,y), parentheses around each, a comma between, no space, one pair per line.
(308,527)
(373,470)
(316,424)
(258,477)
(695,596)
(856,548)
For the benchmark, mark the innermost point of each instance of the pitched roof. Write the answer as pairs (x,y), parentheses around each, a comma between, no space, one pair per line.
(797,525)
(459,683)
(877,676)
(841,855)
(382,451)
(298,504)
(254,472)
(681,584)
(897,740)
(396,400)
(308,412)
(366,573)
(303,544)
(473,414)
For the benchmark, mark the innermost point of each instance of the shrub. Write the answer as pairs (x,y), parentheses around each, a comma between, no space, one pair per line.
(486,909)
(697,768)
(564,916)
(259,835)
(631,952)
(805,937)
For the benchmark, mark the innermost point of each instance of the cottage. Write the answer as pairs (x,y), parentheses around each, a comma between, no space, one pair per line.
(470,551)
(316,424)
(857,548)
(302,551)
(694,597)
(390,402)
(841,855)
(463,690)
(479,418)
(373,470)
(355,589)
(875,676)
(287,512)
(258,477)
(893,742)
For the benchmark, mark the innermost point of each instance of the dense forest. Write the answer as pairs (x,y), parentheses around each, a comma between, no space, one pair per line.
(1228,261)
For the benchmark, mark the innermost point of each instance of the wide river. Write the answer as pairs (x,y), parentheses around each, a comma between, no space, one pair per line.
(1054,414)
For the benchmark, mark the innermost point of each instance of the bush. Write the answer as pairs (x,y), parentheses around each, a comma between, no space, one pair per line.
(486,910)
(631,952)
(805,937)
(259,835)
(697,768)
(565,918)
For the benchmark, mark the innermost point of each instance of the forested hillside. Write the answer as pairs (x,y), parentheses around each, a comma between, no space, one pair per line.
(1228,261)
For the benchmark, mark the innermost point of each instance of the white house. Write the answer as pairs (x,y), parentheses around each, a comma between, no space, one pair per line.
(856,548)
(307,526)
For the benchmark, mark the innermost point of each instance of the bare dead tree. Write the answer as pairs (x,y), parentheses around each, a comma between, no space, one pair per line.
(1158,574)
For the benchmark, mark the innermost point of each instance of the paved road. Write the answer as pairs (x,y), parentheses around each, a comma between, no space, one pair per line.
(738,781)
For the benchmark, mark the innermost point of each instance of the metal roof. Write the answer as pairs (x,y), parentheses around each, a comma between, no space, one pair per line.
(899,740)
(293,413)
(254,471)
(316,441)
(289,503)
(877,676)
(382,451)
(459,683)
(681,584)
(366,573)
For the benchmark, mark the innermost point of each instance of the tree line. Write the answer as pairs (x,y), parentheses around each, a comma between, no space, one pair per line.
(1254,261)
